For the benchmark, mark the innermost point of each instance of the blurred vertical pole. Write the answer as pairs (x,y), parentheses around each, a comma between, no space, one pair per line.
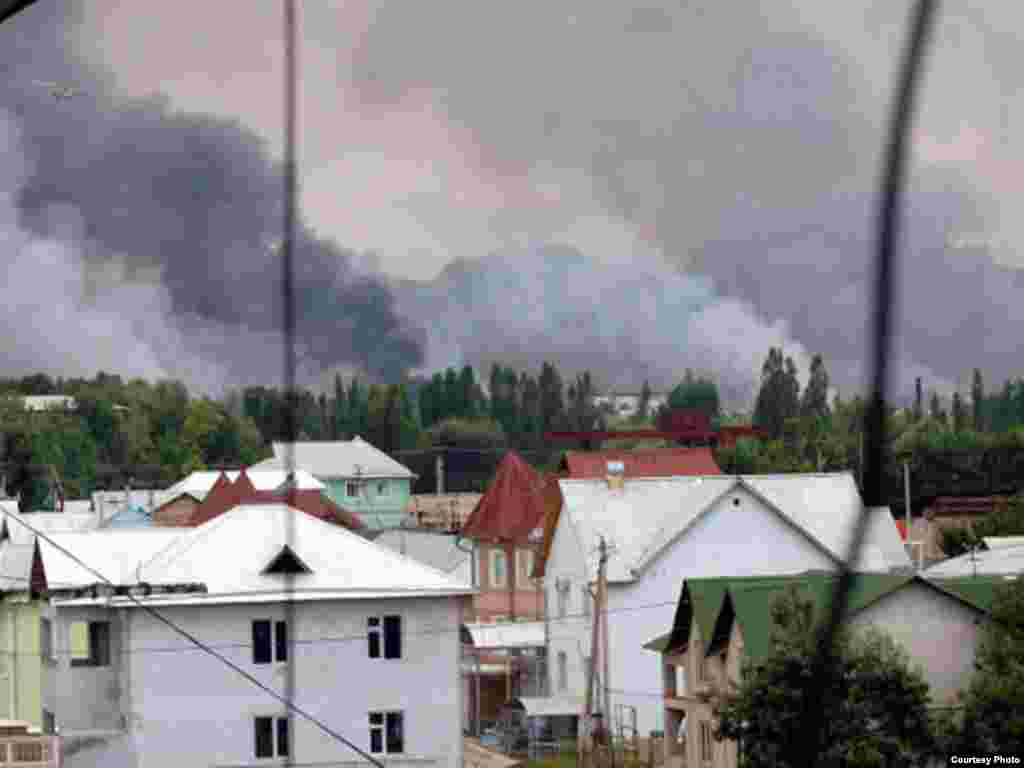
(291,398)
(815,714)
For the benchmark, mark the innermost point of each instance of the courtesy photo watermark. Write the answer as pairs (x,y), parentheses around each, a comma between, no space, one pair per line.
(984,760)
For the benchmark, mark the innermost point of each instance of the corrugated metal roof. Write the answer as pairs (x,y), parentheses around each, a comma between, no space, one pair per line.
(198,484)
(1003,542)
(229,553)
(513,506)
(551,706)
(646,515)
(115,554)
(48,523)
(657,462)
(438,550)
(342,458)
(752,598)
(1007,561)
(511,634)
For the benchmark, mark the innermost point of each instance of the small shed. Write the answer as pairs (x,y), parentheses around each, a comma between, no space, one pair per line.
(543,721)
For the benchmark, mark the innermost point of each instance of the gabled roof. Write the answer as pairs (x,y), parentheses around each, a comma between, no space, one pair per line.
(343,458)
(115,554)
(1002,561)
(226,495)
(511,634)
(200,484)
(513,506)
(229,554)
(656,462)
(749,601)
(646,516)
(434,548)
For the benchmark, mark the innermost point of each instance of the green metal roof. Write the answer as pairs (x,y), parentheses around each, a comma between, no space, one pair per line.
(752,599)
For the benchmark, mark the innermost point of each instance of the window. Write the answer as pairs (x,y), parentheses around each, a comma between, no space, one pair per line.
(271,741)
(680,681)
(705,742)
(499,574)
(563,599)
(383,489)
(387,733)
(392,636)
(351,489)
(49,722)
(563,672)
(46,639)
(524,561)
(269,641)
(94,644)
(586,600)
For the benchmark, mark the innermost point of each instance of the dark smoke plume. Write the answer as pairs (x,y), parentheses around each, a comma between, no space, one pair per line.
(145,193)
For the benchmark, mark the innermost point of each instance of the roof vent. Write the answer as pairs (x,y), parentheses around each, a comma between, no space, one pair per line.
(616,474)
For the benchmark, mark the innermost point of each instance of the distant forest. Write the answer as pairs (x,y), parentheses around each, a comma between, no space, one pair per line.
(153,433)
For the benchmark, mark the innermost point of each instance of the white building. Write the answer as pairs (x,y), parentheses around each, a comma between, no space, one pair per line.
(662,531)
(373,644)
(628,403)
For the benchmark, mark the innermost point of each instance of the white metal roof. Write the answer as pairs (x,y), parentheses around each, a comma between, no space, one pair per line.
(1002,542)
(510,634)
(199,484)
(433,548)
(350,458)
(48,523)
(115,553)
(551,706)
(1007,561)
(45,402)
(229,553)
(647,514)
(15,566)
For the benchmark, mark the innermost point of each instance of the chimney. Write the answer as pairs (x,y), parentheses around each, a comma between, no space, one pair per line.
(439,473)
(616,475)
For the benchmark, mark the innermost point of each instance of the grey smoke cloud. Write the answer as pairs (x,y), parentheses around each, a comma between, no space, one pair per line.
(192,201)
(739,142)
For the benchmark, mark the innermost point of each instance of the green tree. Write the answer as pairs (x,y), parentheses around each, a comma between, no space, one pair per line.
(552,403)
(467,398)
(643,412)
(918,400)
(767,711)
(992,719)
(978,400)
(779,396)
(815,400)
(339,406)
(959,421)
(357,409)
(477,434)
(935,408)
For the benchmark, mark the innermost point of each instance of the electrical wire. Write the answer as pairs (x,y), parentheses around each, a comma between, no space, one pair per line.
(875,448)
(288,703)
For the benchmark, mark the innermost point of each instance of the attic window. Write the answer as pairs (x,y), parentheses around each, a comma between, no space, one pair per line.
(286,562)
(4,533)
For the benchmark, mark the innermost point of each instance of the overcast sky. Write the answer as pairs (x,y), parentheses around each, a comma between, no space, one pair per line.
(734,141)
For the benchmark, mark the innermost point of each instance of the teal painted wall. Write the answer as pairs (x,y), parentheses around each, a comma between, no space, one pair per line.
(381,503)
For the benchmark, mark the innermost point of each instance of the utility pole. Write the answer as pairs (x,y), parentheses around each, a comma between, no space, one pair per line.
(602,587)
(906,500)
(589,700)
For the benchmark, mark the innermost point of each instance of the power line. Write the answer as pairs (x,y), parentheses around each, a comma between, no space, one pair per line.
(208,649)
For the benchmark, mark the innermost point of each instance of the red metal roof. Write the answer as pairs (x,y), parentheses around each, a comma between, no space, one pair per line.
(512,507)
(225,495)
(966,505)
(901,526)
(655,462)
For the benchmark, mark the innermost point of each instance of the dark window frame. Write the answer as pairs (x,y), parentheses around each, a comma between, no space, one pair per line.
(387,732)
(269,641)
(99,646)
(271,737)
(384,637)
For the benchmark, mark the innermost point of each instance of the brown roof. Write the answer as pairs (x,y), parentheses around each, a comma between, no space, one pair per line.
(656,462)
(226,495)
(512,507)
(965,505)
(552,511)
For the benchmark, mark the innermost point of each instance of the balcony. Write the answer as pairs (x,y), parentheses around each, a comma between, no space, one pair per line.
(21,748)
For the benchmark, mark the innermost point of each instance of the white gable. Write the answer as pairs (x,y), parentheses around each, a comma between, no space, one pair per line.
(350,458)
(229,554)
